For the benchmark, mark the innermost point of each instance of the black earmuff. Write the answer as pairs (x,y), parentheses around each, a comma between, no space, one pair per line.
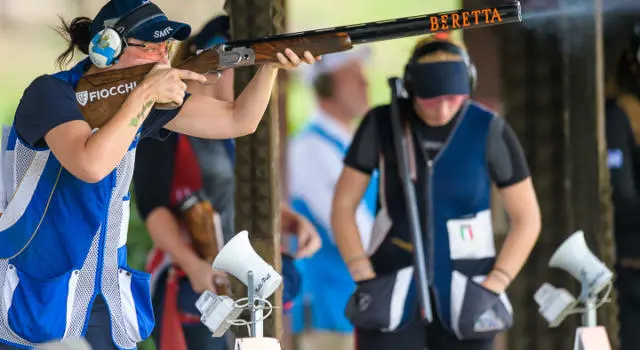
(440,46)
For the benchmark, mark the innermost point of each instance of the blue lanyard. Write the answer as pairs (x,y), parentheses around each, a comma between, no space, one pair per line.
(371,196)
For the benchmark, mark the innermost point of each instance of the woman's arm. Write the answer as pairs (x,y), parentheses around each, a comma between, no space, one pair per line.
(207,117)
(522,208)
(308,239)
(360,162)
(509,170)
(164,229)
(349,191)
(92,156)
(220,88)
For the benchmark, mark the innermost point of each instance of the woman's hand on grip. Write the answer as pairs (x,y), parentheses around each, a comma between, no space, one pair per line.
(290,60)
(166,85)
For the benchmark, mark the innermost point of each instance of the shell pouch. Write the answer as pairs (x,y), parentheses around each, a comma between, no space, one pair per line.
(476,312)
(381,303)
(38,310)
(135,301)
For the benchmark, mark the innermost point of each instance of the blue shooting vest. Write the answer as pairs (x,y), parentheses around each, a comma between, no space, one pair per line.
(325,276)
(460,246)
(63,244)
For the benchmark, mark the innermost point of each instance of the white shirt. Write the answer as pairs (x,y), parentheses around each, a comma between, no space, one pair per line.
(314,166)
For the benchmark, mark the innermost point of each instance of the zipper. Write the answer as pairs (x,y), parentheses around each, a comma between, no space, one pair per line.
(429,202)
(103,236)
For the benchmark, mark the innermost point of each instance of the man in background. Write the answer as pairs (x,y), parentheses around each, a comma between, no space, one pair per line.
(314,164)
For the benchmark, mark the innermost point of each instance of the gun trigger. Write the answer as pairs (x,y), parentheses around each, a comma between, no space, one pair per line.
(218,74)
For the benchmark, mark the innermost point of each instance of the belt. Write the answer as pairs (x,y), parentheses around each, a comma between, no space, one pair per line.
(630,263)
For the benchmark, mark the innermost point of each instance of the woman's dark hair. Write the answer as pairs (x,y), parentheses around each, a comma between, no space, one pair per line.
(77,34)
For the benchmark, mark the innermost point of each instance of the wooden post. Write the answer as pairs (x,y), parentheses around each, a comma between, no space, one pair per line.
(553,94)
(533,106)
(588,187)
(257,157)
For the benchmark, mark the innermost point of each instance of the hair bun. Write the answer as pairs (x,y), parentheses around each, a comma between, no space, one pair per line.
(79,30)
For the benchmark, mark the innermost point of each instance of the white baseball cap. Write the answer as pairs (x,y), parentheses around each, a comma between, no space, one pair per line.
(334,61)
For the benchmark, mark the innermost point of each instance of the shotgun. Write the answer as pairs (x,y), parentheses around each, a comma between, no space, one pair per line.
(100,95)
(401,144)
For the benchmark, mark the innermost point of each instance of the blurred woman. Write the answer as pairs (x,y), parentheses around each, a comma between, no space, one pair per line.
(458,149)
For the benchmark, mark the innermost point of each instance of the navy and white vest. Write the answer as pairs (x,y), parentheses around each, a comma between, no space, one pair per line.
(64,243)
(453,193)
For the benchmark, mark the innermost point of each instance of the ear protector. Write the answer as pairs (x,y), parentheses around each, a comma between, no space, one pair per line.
(106,47)
(440,46)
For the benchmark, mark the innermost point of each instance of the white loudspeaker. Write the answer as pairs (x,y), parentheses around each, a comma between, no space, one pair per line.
(575,257)
(238,257)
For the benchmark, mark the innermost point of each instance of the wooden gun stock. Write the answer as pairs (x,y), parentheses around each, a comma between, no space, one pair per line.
(205,233)
(101,95)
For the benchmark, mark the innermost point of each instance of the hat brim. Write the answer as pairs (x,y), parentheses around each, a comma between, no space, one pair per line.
(329,65)
(161,30)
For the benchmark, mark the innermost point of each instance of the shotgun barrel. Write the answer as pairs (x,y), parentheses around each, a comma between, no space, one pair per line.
(510,12)
(100,95)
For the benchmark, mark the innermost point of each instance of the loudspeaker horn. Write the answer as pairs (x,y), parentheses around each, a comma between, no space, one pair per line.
(574,257)
(238,257)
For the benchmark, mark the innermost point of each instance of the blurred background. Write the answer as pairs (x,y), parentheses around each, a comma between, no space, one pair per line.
(548,76)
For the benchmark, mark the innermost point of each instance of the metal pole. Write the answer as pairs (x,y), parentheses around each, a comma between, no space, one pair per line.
(250,302)
(259,329)
(589,316)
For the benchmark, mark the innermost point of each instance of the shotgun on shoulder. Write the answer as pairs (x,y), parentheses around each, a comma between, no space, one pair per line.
(100,95)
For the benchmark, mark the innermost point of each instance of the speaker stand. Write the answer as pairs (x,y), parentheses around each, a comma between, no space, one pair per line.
(257,340)
(590,336)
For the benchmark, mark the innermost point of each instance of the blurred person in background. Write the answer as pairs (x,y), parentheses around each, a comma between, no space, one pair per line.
(215,157)
(72,278)
(314,164)
(172,178)
(457,150)
(623,160)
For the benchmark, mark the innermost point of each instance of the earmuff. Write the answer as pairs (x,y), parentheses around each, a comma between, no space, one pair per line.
(106,47)
(440,46)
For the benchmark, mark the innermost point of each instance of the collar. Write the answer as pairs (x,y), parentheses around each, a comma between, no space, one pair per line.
(73,75)
(331,126)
